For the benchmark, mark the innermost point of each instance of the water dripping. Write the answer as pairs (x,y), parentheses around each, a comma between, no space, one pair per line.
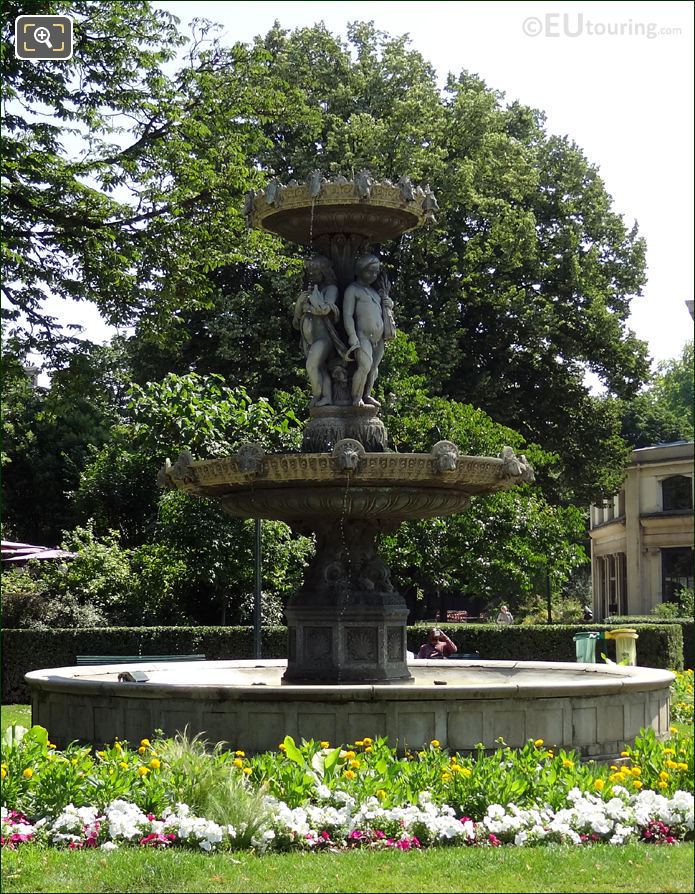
(348,558)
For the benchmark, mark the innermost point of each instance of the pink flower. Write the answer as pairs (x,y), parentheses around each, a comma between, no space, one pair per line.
(155,839)
(493,840)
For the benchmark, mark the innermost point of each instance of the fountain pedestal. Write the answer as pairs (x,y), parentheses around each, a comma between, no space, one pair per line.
(347,624)
(361,640)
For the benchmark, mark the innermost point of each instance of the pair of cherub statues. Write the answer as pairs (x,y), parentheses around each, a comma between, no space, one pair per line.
(367,318)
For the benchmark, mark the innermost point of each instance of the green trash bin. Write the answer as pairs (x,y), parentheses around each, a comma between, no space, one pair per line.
(585,646)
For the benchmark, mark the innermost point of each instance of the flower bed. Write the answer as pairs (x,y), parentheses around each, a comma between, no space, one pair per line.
(172,793)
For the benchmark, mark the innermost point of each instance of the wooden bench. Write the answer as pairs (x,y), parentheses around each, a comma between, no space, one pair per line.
(133,659)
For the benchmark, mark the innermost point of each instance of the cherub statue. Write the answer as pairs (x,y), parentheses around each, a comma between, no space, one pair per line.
(315,313)
(368,321)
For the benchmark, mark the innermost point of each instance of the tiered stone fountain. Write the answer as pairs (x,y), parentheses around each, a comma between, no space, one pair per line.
(347,673)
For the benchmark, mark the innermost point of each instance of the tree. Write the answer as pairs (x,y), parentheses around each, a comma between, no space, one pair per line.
(122,183)
(522,286)
(663,412)
(49,433)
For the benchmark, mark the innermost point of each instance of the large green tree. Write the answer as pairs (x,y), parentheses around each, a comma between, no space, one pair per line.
(522,286)
(123,172)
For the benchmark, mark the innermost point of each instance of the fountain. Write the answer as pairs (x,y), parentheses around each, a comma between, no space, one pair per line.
(347,674)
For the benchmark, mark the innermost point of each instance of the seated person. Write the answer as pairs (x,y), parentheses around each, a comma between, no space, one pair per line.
(438,645)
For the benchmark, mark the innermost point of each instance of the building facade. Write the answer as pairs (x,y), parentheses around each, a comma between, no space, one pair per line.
(642,539)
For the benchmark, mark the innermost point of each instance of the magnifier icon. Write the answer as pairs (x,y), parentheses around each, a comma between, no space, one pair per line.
(43,35)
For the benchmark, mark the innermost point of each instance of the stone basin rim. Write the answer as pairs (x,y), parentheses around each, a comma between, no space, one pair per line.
(591,678)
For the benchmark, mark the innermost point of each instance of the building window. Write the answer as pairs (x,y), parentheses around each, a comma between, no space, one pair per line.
(676,571)
(677,493)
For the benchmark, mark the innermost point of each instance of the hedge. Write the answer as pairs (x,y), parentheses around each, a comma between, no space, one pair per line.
(687,625)
(659,645)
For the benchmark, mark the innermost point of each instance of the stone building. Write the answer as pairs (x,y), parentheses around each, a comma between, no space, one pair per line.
(642,539)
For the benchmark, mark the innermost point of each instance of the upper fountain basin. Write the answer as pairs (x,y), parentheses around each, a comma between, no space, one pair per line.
(348,482)
(375,210)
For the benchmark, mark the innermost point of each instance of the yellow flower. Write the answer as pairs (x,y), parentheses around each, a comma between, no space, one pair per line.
(28,773)
(421,753)
(51,745)
(142,749)
(567,764)
(672,765)
(669,751)
(74,761)
(466,772)
(368,741)
(248,771)
(435,743)
(636,771)
(240,754)
(124,765)
(325,744)
(664,775)
(662,784)
(101,754)
(625,754)
(117,746)
(238,762)
(368,749)
(3,772)
(350,755)
(359,743)
(355,764)
(349,774)
(673,729)
(282,747)
(381,794)
(549,754)
(538,743)
(155,763)
(637,783)
(616,777)
(599,784)
(613,767)
(682,766)
(143,771)
(145,742)
(446,777)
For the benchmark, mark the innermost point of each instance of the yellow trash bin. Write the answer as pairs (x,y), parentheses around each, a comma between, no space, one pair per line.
(625,644)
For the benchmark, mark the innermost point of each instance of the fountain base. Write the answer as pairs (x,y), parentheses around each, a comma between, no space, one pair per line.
(360,639)
(330,424)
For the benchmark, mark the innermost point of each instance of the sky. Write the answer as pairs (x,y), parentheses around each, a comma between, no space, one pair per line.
(617,78)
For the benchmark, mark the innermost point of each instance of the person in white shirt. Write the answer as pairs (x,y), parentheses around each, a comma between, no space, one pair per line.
(505,616)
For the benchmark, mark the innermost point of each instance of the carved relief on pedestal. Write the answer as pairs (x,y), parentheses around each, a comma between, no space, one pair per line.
(318,643)
(395,643)
(361,644)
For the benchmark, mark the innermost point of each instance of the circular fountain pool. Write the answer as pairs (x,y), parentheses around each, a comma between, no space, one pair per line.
(596,709)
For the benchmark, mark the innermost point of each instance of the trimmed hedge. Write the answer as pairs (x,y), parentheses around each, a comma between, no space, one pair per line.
(657,646)
(27,650)
(687,625)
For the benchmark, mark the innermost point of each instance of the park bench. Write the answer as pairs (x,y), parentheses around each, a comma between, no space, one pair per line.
(133,659)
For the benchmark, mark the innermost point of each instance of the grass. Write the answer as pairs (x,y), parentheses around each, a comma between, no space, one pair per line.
(630,868)
(15,714)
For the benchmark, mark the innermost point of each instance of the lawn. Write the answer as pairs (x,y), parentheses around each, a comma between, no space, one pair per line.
(632,868)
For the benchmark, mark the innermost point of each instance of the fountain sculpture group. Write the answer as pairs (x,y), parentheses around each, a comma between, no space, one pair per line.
(347,672)
(347,623)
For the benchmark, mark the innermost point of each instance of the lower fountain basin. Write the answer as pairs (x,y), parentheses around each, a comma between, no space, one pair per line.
(597,709)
